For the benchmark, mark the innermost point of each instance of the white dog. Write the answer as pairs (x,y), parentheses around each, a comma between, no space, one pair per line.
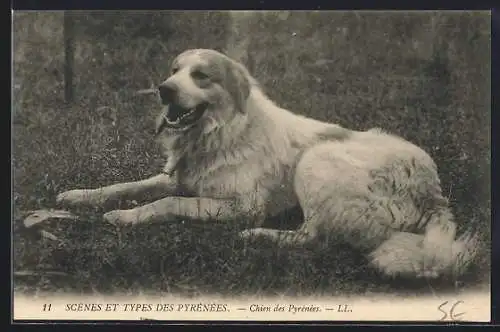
(237,153)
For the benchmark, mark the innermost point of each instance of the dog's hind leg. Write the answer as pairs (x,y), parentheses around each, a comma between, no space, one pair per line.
(335,187)
(390,208)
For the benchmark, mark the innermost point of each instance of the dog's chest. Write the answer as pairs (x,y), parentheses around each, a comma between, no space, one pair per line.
(219,183)
(230,181)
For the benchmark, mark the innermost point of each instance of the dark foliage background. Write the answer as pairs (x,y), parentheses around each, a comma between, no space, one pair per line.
(424,76)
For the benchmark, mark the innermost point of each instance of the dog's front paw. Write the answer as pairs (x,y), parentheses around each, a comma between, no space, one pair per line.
(120,217)
(73,198)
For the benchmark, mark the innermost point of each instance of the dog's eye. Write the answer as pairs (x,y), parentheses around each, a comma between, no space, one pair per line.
(174,70)
(199,75)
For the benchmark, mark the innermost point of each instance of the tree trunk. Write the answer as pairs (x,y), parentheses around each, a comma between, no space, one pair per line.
(240,32)
(68,56)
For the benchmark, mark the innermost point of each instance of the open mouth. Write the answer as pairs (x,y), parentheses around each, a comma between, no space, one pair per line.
(179,117)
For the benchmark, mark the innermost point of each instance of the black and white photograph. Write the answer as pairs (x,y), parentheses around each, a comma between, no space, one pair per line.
(251,165)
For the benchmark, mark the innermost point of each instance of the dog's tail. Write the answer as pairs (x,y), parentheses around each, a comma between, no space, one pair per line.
(436,254)
(446,255)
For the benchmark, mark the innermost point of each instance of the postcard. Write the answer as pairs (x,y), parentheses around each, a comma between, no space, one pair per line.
(251,165)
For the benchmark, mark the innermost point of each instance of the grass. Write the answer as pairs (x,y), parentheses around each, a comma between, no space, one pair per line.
(429,85)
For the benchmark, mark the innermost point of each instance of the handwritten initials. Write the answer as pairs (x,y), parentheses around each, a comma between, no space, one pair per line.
(450,313)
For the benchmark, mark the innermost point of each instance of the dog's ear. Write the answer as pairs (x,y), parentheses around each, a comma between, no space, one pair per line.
(238,84)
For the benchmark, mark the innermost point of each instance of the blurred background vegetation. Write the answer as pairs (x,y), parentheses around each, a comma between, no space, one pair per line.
(422,75)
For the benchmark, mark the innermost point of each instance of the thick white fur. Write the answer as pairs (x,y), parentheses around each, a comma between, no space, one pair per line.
(372,190)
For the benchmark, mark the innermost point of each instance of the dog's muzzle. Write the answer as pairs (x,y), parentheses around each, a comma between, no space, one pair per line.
(176,115)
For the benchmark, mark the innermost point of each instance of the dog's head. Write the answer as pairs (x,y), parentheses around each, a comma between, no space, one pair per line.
(204,87)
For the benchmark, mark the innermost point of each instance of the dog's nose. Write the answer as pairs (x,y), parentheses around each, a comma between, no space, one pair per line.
(168,92)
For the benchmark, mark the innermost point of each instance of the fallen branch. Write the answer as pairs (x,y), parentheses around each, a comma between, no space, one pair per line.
(27,273)
(150,91)
(39,216)
(48,235)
